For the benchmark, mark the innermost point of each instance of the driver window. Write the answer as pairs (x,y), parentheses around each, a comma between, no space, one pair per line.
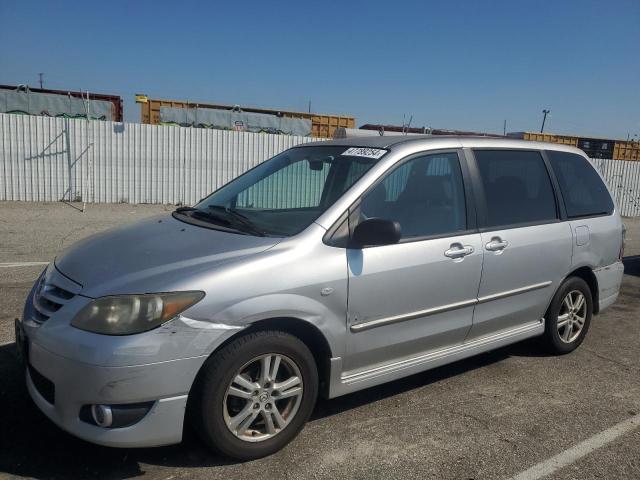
(425,195)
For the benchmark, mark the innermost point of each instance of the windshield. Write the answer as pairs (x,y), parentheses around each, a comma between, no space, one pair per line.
(283,195)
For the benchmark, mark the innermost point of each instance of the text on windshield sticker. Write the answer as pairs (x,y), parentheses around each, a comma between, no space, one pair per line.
(364,152)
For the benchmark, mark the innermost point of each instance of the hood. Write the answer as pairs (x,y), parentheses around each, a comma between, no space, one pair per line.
(156,254)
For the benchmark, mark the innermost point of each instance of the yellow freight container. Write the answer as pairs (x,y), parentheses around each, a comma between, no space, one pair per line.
(321,125)
(626,150)
(622,150)
(549,137)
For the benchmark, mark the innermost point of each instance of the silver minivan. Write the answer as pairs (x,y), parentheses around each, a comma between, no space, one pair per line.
(330,268)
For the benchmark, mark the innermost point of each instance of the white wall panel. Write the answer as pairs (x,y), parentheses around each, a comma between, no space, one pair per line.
(51,159)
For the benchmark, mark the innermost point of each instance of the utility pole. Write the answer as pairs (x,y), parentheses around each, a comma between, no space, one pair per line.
(40,76)
(545,112)
(309,106)
(504,129)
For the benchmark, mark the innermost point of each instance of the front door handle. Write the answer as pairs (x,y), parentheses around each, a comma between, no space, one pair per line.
(458,250)
(496,244)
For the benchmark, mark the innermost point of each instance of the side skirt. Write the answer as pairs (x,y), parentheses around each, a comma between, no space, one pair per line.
(347,382)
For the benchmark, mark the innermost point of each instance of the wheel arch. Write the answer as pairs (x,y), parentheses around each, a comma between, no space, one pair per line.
(586,273)
(305,331)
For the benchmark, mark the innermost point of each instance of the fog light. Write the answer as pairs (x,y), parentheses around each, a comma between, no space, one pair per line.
(115,416)
(102,415)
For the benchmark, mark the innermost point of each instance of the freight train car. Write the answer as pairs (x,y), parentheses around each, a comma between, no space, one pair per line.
(24,100)
(322,125)
(593,147)
(384,129)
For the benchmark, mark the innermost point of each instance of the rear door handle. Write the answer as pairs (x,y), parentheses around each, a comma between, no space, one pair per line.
(458,250)
(496,244)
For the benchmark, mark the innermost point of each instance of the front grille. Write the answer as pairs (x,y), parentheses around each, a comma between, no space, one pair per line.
(44,386)
(49,298)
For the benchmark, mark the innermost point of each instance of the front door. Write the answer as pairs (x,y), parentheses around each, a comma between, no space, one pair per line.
(418,295)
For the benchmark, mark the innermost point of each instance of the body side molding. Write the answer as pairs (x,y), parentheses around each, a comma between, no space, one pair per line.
(360,327)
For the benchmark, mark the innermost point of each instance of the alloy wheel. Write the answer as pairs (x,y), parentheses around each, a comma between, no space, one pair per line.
(263,397)
(572,316)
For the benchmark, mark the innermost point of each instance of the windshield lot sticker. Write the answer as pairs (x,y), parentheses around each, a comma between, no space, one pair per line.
(364,152)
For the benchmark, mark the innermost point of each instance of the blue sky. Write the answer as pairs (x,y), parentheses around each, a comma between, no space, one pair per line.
(457,64)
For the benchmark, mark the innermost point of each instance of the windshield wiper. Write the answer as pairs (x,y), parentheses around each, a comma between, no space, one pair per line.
(185,209)
(196,212)
(239,219)
(202,214)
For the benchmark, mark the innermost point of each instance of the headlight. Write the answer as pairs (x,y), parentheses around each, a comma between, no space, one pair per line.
(128,314)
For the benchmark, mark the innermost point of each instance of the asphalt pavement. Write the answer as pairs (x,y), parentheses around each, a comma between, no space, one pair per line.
(494,416)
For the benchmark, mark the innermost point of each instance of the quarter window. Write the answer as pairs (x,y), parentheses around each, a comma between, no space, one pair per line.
(425,195)
(583,191)
(517,187)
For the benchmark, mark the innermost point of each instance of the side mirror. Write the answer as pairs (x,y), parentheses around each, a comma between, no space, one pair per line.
(375,232)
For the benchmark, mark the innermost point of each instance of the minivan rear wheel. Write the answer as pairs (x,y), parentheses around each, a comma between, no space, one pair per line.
(255,394)
(569,316)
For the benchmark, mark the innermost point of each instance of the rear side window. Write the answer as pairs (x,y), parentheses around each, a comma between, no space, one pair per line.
(583,191)
(517,187)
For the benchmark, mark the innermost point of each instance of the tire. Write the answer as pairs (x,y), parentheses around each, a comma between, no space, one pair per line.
(565,332)
(216,407)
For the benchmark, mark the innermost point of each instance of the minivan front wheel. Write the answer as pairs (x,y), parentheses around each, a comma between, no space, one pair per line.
(569,316)
(255,394)
(263,397)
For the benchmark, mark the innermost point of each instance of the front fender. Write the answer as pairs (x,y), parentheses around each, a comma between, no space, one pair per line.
(330,323)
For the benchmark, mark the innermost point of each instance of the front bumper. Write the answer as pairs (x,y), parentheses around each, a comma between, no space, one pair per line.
(77,384)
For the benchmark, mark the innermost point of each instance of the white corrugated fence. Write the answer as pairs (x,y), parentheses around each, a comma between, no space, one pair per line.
(51,159)
(623,178)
